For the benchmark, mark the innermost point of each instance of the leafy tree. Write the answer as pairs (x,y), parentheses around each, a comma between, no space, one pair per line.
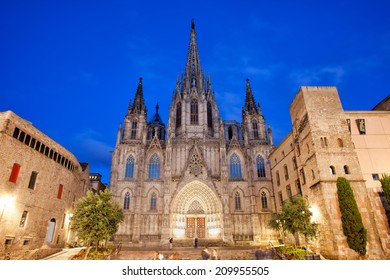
(351,219)
(385,181)
(96,217)
(295,218)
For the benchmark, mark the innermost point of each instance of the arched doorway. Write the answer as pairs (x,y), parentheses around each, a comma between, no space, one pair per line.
(196,211)
(50,230)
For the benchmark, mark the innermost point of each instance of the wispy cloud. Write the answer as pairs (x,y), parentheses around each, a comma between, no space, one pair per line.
(92,150)
(230,105)
(325,75)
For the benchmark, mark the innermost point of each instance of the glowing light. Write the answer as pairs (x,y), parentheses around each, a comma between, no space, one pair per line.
(179,232)
(214,232)
(315,213)
(5,200)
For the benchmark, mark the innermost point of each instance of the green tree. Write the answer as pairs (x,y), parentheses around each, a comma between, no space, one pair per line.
(351,219)
(295,218)
(385,181)
(96,217)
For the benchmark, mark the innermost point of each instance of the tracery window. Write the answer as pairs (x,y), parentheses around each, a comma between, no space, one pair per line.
(194,111)
(235,166)
(264,200)
(154,167)
(238,201)
(255,130)
(126,201)
(133,130)
(153,201)
(129,173)
(260,166)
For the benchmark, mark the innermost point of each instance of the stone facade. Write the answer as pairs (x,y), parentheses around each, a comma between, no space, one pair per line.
(325,143)
(199,177)
(40,181)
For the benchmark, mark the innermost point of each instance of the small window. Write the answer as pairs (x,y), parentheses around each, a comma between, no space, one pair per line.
(346,169)
(133,129)
(281,198)
(14,173)
(340,142)
(289,193)
(313,176)
(295,166)
(23,219)
(26,242)
(375,176)
(33,178)
(16,133)
(332,170)
(22,136)
(60,189)
(303,177)
(361,123)
(277,178)
(8,241)
(285,172)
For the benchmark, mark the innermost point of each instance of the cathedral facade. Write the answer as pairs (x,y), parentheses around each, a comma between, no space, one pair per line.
(198,176)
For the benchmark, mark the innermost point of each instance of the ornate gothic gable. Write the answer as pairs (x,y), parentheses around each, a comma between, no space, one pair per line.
(155,143)
(234,144)
(195,161)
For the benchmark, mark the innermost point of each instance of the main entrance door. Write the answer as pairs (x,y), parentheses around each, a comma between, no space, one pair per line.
(195,227)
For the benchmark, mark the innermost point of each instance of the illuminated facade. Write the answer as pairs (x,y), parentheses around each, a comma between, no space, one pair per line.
(198,177)
(40,180)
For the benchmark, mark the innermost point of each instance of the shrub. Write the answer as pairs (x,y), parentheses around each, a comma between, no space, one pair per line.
(385,181)
(292,252)
(351,219)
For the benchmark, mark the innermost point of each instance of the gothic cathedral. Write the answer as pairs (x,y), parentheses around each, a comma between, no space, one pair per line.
(200,176)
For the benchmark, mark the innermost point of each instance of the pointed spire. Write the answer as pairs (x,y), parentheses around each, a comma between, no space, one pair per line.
(193,68)
(250,105)
(139,103)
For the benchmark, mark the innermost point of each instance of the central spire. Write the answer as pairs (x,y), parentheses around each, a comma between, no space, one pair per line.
(193,69)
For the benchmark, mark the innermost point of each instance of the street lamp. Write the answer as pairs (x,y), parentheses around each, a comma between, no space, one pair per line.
(4,201)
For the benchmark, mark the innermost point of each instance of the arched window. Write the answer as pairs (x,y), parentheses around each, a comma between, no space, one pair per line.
(126,201)
(255,130)
(235,166)
(129,167)
(154,167)
(209,115)
(260,166)
(153,201)
(194,111)
(238,201)
(332,170)
(134,129)
(346,169)
(264,200)
(178,115)
(230,133)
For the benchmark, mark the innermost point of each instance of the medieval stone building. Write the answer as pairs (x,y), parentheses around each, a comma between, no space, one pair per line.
(198,176)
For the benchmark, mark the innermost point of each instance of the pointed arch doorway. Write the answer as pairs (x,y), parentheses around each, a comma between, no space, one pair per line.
(196,212)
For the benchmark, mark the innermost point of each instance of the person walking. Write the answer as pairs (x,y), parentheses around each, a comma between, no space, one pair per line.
(196,242)
(170,243)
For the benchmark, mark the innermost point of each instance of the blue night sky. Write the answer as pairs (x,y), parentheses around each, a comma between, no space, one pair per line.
(71,67)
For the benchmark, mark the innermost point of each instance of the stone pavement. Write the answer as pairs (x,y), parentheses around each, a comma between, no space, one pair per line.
(183,253)
(65,254)
(187,253)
